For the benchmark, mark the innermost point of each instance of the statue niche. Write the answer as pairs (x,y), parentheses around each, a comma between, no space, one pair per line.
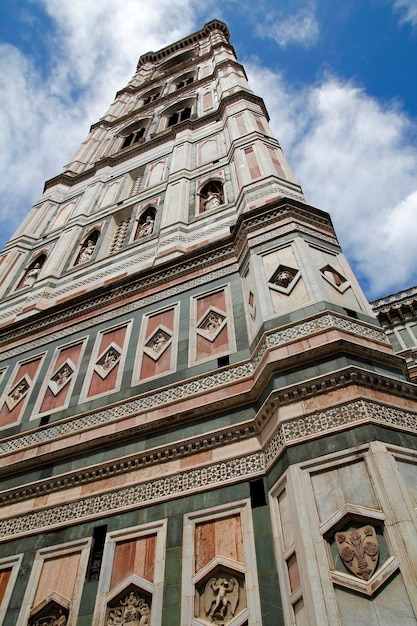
(32,272)
(146,223)
(211,196)
(87,248)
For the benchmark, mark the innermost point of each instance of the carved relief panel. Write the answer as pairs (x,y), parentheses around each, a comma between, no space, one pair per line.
(284,279)
(60,379)
(18,390)
(218,545)
(131,580)
(157,348)
(211,326)
(105,370)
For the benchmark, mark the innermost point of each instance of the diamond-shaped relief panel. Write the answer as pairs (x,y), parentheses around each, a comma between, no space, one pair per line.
(212,324)
(284,278)
(61,377)
(335,278)
(158,343)
(108,361)
(18,392)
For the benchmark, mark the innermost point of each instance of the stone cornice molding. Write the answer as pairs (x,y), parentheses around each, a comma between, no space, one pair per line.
(212,475)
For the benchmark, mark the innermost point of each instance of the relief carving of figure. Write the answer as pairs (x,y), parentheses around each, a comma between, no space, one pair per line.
(32,275)
(86,253)
(17,394)
(220,595)
(284,278)
(110,359)
(213,322)
(62,376)
(146,228)
(132,611)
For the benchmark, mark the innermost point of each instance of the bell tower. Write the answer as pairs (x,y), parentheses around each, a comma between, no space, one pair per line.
(203,422)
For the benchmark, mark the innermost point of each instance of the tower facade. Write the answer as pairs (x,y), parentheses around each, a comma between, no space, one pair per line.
(203,422)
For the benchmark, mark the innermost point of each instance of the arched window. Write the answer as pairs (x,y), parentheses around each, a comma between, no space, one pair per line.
(32,272)
(151,96)
(184,80)
(134,133)
(180,115)
(211,195)
(146,223)
(87,248)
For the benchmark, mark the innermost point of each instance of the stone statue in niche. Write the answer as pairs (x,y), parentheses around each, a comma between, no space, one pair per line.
(86,252)
(221,597)
(212,201)
(132,610)
(31,275)
(359,550)
(146,228)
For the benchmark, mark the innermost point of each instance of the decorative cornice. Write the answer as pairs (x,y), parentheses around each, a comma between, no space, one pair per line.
(211,476)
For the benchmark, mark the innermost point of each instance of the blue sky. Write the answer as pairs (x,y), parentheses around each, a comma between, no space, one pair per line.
(338,79)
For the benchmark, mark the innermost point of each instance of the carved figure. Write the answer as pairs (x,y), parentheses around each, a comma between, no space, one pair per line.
(213,322)
(110,359)
(212,201)
(147,227)
(32,275)
(158,342)
(62,376)
(219,593)
(18,393)
(86,253)
(132,611)
(284,278)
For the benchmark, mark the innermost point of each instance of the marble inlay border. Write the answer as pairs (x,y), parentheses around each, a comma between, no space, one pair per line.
(334,418)
(212,476)
(185,390)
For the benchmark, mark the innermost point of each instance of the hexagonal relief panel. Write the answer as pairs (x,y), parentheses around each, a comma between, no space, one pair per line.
(53,611)
(335,278)
(108,360)
(212,323)
(158,342)
(132,607)
(284,278)
(359,553)
(220,596)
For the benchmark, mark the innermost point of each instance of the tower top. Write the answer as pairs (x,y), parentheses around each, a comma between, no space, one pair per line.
(152,57)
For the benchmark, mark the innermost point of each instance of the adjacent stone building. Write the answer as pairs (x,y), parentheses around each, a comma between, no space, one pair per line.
(203,422)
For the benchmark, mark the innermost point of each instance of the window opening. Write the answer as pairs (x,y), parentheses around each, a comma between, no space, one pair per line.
(184,82)
(96,556)
(133,137)
(180,115)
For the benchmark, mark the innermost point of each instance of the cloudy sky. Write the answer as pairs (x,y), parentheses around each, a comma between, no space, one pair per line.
(339,81)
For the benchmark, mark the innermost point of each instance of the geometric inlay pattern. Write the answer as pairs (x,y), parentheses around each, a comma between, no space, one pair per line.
(130,497)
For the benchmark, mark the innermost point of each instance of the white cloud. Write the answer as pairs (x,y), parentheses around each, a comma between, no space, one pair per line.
(356,160)
(408,10)
(300,27)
